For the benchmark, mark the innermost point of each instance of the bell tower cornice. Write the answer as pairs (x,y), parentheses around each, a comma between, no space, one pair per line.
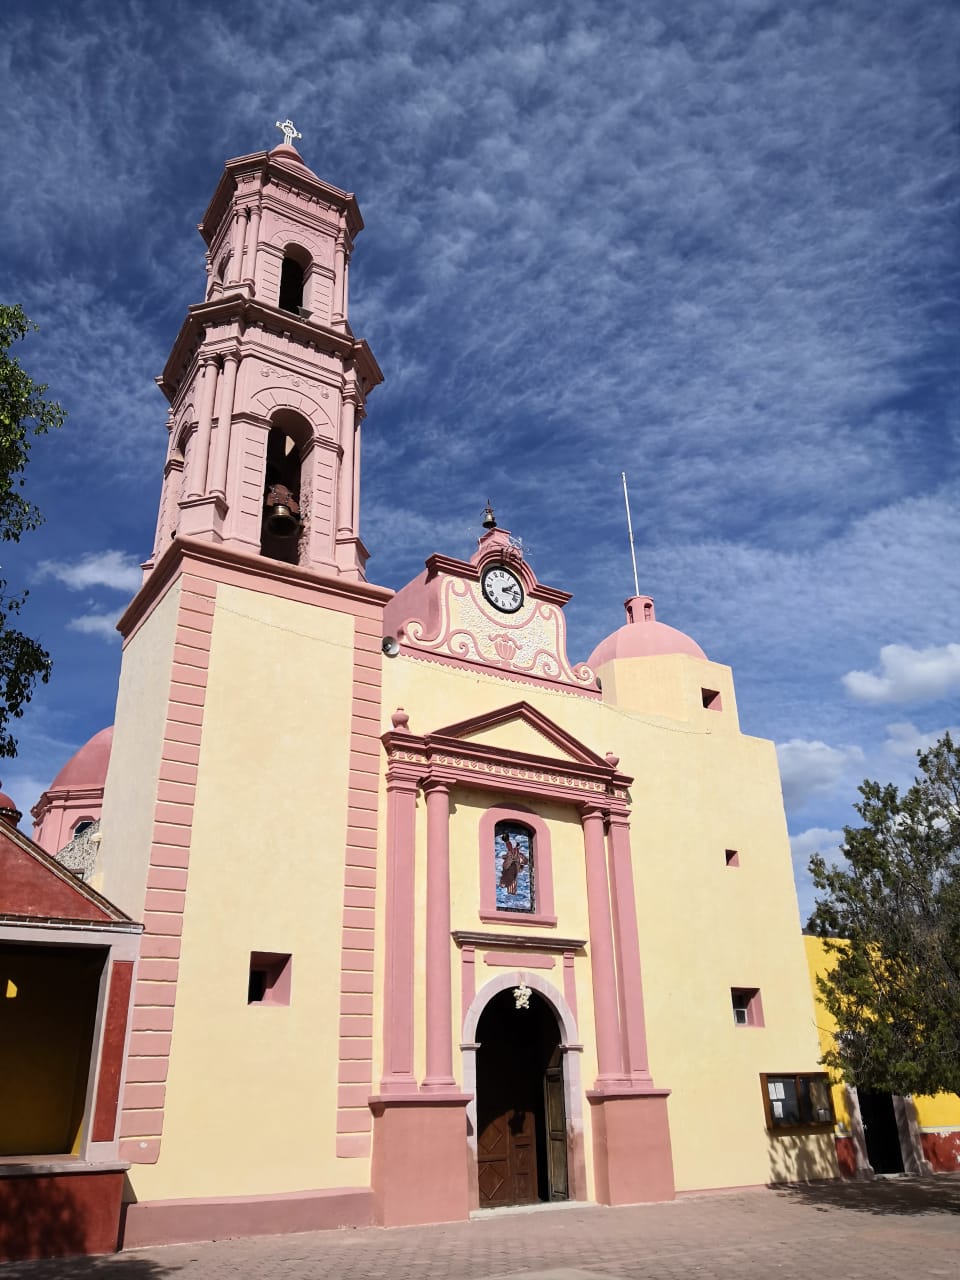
(220,325)
(264,173)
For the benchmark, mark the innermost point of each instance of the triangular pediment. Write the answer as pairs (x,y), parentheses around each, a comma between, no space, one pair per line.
(34,886)
(521,729)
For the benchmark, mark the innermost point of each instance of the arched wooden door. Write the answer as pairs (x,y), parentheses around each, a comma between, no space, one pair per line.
(521,1124)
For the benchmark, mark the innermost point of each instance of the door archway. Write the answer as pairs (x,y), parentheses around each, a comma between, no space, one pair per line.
(521,1124)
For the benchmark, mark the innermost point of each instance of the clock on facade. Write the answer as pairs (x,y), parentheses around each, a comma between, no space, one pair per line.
(502,588)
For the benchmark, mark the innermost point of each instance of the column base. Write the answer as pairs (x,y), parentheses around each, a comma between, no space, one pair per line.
(419,1172)
(352,557)
(202,517)
(632,1157)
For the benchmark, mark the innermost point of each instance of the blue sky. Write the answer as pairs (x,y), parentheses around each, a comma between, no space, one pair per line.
(712,244)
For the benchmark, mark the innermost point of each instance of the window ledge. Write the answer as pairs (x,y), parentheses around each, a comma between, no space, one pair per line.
(518,918)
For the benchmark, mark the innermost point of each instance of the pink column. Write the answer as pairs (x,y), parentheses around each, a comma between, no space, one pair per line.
(627,936)
(201,445)
(439,1073)
(348,417)
(339,259)
(221,447)
(239,238)
(253,239)
(603,972)
(399,947)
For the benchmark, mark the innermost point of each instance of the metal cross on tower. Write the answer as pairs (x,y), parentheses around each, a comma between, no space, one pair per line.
(290,131)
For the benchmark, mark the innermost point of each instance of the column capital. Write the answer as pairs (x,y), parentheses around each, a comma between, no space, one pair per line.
(592,810)
(403,778)
(435,784)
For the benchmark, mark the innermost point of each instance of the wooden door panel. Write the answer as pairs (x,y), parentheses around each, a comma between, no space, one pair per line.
(556,1122)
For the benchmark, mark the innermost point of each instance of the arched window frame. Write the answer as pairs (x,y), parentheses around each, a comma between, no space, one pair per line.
(543,913)
(299,256)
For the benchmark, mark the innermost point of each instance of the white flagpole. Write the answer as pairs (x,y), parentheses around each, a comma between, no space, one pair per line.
(633,553)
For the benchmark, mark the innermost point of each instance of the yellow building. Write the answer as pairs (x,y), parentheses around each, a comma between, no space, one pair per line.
(434,919)
(883,1132)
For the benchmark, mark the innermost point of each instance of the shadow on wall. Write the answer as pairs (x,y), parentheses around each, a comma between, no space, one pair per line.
(901,1195)
(43,1220)
(802,1157)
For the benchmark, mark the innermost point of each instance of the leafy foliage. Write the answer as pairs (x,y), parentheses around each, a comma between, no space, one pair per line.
(893,918)
(23,413)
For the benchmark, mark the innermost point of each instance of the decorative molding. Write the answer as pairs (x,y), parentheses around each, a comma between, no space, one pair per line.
(516,941)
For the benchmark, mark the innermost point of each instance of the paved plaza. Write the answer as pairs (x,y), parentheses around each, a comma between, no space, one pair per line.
(891,1229)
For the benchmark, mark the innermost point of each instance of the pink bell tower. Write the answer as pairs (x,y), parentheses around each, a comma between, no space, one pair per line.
(266,383)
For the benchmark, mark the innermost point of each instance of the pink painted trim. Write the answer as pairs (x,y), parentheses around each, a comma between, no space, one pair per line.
(468,978)
(500,673)
(542,867)
(155,997)
(399,947)
(627,946)
(439,1058)
(603,972)
(754,1006)
(358,942)
(160,1222)
(569,982)
(518,960)
(216,563)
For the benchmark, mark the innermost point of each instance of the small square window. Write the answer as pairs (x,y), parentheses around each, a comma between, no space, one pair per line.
(711,699)
(747,1009)
(732,857)
(269,979)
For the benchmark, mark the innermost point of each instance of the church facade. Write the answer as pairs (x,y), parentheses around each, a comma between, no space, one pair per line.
(434,918)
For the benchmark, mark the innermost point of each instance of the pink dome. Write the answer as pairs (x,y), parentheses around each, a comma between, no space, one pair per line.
(8,810)
(88,766)
(643,637)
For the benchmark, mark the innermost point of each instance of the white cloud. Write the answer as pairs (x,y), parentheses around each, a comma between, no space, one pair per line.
(908,675)
(904,739)
(113,569)
(812,768)
(96,624)
(822,840)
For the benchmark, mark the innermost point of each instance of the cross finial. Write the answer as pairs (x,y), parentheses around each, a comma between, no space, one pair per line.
(289,130)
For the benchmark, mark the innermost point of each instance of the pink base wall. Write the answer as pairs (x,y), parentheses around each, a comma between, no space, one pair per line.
(181,1221)
(631,1148)
(420,1159)
(59,1215)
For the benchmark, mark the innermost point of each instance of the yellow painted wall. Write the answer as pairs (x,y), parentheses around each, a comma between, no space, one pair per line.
(251,1096)
(130,793)
(700,788)
(939,1112)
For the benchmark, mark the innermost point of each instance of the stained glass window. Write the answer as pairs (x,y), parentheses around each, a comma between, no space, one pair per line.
(514,867)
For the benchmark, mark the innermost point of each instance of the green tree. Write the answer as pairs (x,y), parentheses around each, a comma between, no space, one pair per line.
(24,413)
(893,914)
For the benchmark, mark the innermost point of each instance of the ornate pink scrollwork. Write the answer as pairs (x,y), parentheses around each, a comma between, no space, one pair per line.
(506,648)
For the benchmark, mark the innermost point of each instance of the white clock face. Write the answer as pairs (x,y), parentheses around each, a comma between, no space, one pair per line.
(503,589)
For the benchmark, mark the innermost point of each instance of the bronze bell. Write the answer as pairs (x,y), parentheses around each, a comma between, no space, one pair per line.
(489,519)
(282,512)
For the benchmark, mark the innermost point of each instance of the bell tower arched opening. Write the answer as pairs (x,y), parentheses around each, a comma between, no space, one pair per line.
(521,1120)
(293,275)
(282,524)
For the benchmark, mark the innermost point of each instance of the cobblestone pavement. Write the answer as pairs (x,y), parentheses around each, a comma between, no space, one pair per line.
(891,1229)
